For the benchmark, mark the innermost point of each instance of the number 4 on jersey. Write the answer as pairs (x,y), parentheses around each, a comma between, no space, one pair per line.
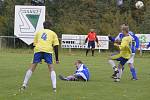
(44,36)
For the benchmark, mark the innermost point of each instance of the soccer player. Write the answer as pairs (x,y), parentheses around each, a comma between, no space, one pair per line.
(45,41)
(81,73)
(91,38)
(134,47)
(124,55)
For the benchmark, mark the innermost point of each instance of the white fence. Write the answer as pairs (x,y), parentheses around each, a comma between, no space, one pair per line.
(78,41)
(15,42)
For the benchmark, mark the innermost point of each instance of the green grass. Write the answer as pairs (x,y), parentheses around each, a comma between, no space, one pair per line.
(14,63)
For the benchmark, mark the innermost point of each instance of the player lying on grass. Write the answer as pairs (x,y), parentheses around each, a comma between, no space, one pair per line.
(124,54)
(45,41)
(134,47)
(81,73)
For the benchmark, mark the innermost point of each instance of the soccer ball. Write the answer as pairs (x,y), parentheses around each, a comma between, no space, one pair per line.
(139,4)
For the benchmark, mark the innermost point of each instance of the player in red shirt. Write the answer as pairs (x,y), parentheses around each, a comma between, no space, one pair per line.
(91,38)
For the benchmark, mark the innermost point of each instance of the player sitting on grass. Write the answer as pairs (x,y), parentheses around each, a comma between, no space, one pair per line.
(125,53)
(81,73)
(45,42)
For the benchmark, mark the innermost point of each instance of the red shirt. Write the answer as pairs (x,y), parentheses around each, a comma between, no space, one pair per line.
(91,36)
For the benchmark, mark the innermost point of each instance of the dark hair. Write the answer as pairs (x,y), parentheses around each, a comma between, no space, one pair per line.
(79,61)
(47,24)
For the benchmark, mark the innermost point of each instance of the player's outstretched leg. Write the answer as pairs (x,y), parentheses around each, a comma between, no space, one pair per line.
(133,72)
(52,76)
(112,63)
(62,78)
(115,73)
(119,74)
(27,76)
(26,79)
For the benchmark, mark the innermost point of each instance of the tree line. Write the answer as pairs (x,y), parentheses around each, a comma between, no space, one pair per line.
(78,16)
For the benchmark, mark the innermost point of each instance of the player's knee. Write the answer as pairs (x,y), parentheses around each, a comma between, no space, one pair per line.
(130,65)
(50,67)
(33,67)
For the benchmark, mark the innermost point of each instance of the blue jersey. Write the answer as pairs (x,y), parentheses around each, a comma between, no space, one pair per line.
(135,40)
(83,71)
(112,39)
(148,45)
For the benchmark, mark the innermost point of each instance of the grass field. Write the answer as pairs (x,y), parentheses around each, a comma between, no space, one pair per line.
(13,65)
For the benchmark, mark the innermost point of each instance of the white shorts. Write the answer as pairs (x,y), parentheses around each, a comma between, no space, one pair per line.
(131,60)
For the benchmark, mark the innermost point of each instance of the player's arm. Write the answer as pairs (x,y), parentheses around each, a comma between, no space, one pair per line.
(56,53)
(96,39)
(115,40)
(112,39)
(86,38)
(55,46)
(137,42)
(118,38)
(117,43)
(117,46)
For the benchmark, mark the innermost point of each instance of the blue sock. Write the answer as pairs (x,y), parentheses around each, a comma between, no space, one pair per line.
(133,72)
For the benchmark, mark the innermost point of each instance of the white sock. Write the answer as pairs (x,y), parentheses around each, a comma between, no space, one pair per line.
(27,77)
(120,73)
(112,63)
(53,79)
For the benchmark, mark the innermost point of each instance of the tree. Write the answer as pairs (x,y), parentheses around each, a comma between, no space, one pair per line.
(145,26)
(78,16)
